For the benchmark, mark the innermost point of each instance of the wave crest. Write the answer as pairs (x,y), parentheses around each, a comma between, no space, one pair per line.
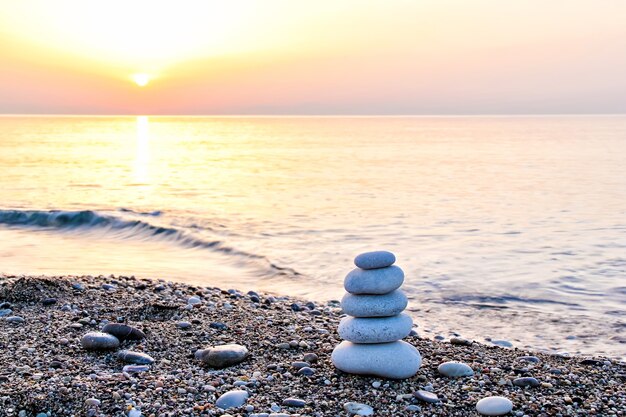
(91,220)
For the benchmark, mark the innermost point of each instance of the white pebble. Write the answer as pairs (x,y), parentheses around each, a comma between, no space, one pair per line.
(494,406)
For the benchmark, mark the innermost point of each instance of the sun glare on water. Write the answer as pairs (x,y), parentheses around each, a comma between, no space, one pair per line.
(141,79)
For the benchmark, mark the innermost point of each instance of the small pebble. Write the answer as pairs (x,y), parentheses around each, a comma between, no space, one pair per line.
(531,359)
(526,382)
(459,341)
(306,371)
(455,369)
(92,402)
(294,402)
(358,409)
(310,357)
(134,413)
(502,343)
(135,368)
(426,396)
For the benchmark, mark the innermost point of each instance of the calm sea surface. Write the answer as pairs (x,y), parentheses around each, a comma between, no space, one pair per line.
(507,227)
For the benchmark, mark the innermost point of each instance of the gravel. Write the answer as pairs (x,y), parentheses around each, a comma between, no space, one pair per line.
(44,369)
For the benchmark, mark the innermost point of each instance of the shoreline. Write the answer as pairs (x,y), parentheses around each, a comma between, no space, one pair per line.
(43,367)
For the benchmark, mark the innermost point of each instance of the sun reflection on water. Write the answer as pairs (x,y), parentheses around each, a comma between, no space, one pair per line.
(142,157)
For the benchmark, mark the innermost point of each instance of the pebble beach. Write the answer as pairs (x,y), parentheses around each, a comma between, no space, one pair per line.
(279,364)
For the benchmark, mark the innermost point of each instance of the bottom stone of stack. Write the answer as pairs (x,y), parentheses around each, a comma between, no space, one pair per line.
(395,360)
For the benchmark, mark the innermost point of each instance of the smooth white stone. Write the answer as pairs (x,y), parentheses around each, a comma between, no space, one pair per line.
(193,301)
(396,360)
(374,305)
(373,281)
(494,406)
(235,398)
(358,409)
(455,369)
(375,329)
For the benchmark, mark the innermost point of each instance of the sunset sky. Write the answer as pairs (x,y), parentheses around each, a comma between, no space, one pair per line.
(312,57)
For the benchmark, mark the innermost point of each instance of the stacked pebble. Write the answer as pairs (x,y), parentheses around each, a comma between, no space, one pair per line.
(375,322)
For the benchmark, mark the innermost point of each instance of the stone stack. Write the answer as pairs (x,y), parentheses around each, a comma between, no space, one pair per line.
(375,324)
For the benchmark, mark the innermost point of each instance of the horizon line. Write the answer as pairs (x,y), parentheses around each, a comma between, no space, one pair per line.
(312,115)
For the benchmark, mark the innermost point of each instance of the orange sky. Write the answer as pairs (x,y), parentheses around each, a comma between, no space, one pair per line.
(322,57)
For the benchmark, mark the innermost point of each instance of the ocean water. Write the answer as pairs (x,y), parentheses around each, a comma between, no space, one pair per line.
(506,227)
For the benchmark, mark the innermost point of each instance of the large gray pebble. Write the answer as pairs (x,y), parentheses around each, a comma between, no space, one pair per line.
(396,360)
(222,356)
(235,398)
(375,259)
(375,329)
(374,281)
(494,406)
(99,341)
(374,305)
(455,369)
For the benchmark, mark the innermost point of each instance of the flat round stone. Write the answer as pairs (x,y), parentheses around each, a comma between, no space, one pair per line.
(374,260)
(426,396)
(374,305)
(223,355)
(395,360)
(375,329)
(455,369)
(526,381)
(235,398)
(99,341)
(294,402)
(373,281)
(494,406)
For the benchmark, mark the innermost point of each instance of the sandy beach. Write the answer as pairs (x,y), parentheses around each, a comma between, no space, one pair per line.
(44,369)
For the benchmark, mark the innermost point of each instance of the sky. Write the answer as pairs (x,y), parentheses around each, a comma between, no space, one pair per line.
(312,57)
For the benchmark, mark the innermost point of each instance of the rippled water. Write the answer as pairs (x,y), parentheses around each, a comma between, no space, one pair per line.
(507,227)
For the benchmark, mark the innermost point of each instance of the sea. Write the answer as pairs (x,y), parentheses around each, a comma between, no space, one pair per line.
(508,228)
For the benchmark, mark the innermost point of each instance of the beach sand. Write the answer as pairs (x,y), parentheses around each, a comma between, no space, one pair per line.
(44,369)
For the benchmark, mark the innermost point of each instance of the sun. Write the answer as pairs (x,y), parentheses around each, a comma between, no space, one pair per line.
(141,79)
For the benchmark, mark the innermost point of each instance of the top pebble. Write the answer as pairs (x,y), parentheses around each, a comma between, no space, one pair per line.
(375,260)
